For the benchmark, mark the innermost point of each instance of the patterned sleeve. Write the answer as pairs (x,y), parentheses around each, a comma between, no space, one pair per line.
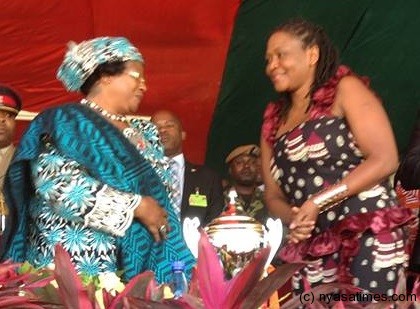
(76,196)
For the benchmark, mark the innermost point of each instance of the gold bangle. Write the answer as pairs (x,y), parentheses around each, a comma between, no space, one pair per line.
(330,197)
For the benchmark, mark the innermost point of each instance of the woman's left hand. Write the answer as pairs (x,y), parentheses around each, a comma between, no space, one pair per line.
(303,222)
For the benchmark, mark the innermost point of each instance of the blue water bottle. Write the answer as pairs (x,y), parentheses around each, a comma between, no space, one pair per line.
(179,284)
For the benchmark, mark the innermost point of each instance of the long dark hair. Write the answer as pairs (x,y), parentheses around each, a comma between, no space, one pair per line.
(104,69)
(310,34)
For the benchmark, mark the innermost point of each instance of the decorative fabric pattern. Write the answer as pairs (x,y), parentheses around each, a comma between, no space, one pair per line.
(408,198)
(113,211)
(411,200)
(81,60)
(85,137)
(176,188)
(143,135)
(313,156)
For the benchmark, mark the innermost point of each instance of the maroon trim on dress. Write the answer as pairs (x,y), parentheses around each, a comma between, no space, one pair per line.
(270,122)
(343,238)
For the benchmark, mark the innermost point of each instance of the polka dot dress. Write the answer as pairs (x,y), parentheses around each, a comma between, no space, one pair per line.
(309,158)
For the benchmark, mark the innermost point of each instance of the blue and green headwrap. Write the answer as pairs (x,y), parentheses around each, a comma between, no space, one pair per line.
(81,60)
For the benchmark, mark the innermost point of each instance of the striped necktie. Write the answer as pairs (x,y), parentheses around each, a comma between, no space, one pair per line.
(176,187)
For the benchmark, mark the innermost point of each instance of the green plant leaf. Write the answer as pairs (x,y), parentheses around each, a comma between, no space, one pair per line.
(48,295)
(26,267)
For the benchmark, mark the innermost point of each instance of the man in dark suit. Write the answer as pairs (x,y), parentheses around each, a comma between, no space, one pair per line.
(202,193)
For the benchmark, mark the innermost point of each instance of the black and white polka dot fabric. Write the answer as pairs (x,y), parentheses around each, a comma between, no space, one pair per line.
(319,153)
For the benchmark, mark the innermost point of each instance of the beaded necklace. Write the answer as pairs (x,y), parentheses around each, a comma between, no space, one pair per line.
(103,112)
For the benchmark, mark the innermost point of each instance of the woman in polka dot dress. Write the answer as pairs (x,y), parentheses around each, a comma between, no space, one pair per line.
(327,151)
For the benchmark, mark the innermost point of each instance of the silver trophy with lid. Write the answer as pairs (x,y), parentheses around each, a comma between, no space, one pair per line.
(236,236)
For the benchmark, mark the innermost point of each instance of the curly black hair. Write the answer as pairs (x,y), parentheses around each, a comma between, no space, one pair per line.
(311,34)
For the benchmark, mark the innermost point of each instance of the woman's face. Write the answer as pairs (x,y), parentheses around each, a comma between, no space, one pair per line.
(129,87)
(289,66)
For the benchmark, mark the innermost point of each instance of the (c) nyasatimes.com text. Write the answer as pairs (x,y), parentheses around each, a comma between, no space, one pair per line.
(306,298)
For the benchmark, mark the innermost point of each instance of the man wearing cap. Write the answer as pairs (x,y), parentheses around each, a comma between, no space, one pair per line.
(202,192)
(243,173)
(10,105)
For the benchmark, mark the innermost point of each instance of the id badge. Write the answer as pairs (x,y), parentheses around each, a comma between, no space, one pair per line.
(198,200)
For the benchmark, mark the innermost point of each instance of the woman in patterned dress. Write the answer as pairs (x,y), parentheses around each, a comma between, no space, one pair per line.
(87,177)
(327,151)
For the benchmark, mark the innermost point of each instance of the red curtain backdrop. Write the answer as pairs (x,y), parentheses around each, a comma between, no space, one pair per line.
(184,43)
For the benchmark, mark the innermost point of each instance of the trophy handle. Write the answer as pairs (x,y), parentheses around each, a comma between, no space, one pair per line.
(191,234)
(274,237)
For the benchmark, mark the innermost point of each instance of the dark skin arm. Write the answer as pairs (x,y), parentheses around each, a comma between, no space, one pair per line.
(372,131)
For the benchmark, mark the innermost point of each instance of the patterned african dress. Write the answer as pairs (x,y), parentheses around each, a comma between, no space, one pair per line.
(360,241)
(83,197)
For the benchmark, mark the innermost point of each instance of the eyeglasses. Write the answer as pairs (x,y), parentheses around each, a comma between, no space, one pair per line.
(137,76)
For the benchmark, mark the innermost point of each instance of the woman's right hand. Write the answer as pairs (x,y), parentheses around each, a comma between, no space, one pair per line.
(153,216)
(299,229)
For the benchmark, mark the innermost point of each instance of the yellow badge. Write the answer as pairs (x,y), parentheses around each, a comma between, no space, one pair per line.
(198,200)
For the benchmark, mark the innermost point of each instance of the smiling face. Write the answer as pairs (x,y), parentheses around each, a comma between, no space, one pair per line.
(128,88)
(289,65)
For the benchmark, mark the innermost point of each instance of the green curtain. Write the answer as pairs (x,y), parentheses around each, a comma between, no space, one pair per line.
(378,39)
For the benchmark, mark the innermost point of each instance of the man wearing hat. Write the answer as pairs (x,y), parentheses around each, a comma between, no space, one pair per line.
(10,105)
(243,173)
